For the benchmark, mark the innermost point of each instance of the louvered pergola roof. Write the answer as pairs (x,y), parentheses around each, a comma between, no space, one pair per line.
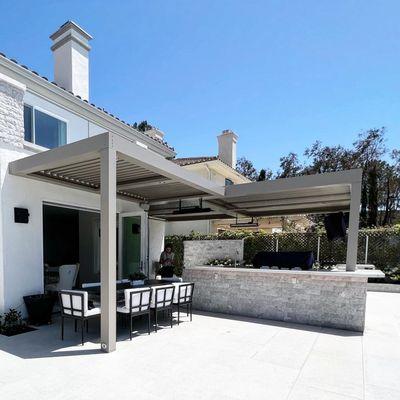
(142,175)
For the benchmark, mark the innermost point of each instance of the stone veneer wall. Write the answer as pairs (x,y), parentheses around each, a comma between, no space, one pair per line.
(11,111)
(199,252)
(315,298)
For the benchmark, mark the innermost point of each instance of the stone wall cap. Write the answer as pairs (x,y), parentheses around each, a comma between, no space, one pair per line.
(362,274)
(12,82)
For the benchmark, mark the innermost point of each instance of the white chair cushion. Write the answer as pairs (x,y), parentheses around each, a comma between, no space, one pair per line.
(79,309)
(93,311)
(173,279)
(158,295)
(136,304)
(185,293)
(90,284)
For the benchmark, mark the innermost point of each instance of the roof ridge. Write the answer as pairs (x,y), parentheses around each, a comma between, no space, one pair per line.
(163,142)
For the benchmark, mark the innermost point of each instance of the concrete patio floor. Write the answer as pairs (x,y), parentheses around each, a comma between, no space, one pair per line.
(214,357)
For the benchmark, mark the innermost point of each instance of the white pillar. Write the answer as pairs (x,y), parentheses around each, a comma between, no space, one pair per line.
(108,229)
(354,219)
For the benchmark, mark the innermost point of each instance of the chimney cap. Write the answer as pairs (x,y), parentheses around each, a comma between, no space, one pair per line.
(228,132)
(67,26)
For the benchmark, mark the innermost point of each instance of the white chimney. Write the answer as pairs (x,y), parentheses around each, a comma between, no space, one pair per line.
(71,58)
(227,147)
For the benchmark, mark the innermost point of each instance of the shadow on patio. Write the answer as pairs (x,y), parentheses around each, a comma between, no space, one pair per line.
(46,342)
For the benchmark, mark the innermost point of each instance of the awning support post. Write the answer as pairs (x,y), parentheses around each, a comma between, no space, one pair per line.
(108,230)
(354,219)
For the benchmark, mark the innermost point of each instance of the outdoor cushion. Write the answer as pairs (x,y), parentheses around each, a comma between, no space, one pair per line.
(158,296)
(80,310)
(136,305)
(284,259)
(185,295)
(93,311)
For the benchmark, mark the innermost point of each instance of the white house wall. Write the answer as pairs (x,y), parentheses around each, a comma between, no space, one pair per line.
(22,244)
(77,127)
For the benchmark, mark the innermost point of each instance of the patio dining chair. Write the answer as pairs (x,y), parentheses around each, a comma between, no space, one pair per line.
(162,300)
(137,302)
(67,278)
(74,305)
(183,296)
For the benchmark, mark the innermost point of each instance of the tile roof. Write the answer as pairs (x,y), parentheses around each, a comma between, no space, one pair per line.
(193,160)
(87,102)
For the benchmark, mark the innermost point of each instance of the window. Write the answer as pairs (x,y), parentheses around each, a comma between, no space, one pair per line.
(228,182)
(44,129)
(28,122)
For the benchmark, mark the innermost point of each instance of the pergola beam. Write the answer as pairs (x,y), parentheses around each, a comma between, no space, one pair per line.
(82,150)
(145,183)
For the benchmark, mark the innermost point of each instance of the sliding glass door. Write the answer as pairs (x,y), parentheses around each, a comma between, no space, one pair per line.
(132,244)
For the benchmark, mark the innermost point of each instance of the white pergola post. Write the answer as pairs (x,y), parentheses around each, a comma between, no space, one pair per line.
(354,220)
(108,229)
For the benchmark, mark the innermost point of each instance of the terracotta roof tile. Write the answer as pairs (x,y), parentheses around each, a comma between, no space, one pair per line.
(193,160)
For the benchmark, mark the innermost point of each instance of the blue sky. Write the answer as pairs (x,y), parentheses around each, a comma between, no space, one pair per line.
(281,74)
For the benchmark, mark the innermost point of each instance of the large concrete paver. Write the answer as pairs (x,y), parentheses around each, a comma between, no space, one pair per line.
(214,357)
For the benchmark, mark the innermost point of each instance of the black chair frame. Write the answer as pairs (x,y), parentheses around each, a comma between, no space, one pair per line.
(141,310)
(162,305)
(185,299)
(84,319)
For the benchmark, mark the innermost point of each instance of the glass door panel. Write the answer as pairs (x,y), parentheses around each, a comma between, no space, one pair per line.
(131,244)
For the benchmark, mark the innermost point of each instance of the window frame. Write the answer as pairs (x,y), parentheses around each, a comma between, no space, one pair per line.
(33,127)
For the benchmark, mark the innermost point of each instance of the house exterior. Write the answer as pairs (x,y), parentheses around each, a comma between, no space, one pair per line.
(80,186)
(35,115)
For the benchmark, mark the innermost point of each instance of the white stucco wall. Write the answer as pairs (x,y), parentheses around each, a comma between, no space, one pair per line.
(184,227)
(77,128)
(22,255)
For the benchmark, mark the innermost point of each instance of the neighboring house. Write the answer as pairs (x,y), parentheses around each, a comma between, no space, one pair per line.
(221,170)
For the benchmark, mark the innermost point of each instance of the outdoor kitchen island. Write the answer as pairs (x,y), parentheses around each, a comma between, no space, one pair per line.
(333,299)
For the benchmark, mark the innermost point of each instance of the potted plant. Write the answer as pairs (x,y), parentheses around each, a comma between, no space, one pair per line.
(12,323)
(137,278)
(39,308)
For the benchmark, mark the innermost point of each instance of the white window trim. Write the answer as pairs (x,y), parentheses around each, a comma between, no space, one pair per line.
(33,144)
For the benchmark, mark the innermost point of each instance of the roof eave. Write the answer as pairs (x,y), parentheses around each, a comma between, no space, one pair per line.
(42,87)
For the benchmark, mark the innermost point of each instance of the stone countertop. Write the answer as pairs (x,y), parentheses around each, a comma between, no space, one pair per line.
(365,274)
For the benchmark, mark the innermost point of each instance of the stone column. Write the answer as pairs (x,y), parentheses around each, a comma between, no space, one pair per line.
(11,111)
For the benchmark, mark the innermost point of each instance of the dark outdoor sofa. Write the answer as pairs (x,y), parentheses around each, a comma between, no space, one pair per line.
(284,259)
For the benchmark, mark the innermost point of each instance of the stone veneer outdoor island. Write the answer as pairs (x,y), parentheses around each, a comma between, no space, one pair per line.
(327,299)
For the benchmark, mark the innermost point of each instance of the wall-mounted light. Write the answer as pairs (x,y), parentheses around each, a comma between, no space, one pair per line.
(21,215)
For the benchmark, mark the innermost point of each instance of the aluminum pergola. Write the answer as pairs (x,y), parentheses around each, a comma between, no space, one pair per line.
(115,166)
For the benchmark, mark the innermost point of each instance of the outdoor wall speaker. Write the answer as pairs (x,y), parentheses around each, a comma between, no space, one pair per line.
(21,215)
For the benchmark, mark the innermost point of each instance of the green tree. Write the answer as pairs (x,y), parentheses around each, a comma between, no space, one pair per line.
(246,168)
(289,166)
(264,175)
(142,126)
